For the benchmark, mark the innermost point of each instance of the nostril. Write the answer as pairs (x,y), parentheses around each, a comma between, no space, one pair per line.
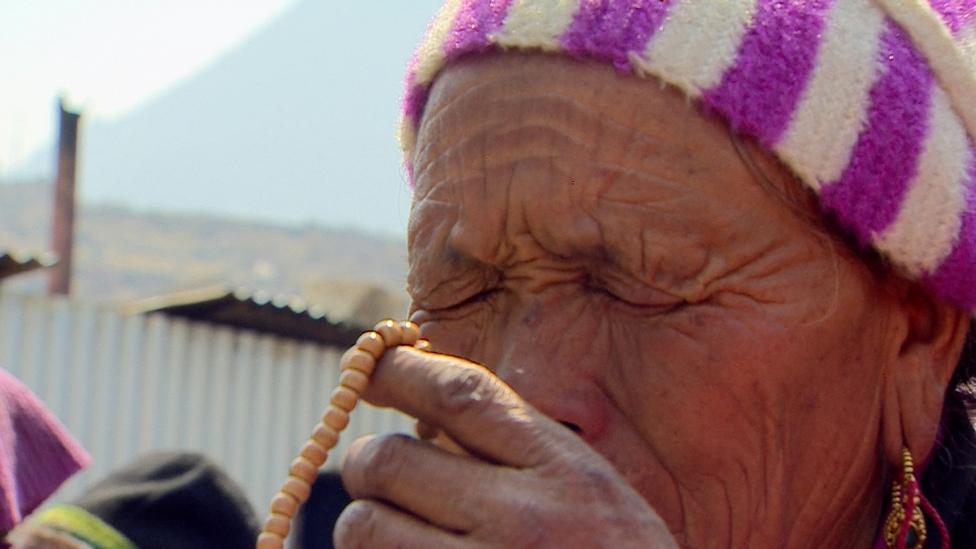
(572,427)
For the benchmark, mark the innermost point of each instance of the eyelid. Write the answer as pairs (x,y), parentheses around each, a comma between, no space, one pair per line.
(626,293)
(462,288)
(475,298)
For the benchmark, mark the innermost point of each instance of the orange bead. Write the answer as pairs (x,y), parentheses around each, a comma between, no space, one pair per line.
(410,332)
(422,344)
(344,398)
(336,418)
(372,343)
(358,359)
(355,380)
(284,504)
(278,524)
(315,453)
(297,488)
(268,540)
(389,330)
(304,469)
(326,436)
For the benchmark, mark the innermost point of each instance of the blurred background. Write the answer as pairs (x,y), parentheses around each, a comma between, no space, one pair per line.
(233,123)
(201,202)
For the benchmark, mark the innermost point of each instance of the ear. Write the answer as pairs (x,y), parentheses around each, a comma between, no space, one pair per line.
(927,340)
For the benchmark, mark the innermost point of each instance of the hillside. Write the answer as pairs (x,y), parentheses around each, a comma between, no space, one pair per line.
(124,254)
(296,123)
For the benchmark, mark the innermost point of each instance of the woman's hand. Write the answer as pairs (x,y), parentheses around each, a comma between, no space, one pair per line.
(528,481)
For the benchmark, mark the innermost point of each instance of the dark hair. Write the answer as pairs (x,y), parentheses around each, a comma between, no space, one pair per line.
(949,480)
(949,477)
(963,383)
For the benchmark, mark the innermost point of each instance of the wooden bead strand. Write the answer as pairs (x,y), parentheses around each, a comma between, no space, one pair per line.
(356,367)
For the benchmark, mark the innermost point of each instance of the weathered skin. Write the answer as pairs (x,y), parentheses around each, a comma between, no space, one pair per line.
(600,245)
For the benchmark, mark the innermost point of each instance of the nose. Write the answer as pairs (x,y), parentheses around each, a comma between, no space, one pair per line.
(554,370)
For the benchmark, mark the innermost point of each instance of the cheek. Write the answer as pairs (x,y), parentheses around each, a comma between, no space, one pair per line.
(715,393)
(676,374)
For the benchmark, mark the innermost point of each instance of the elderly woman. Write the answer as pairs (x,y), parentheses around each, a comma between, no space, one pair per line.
(695,274)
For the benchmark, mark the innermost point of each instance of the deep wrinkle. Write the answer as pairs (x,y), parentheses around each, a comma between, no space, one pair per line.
(670,283)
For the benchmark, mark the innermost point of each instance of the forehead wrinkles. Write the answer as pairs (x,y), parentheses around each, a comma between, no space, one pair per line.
(511,163)
(535,157)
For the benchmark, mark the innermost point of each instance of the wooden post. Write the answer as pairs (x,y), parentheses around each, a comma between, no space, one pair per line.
(63,218)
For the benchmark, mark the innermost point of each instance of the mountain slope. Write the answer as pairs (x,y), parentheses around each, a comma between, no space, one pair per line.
(296,124)
(123,254)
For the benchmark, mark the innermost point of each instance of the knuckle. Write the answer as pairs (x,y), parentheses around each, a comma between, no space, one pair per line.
(356,526)
(385,461)
(599,482)
(464,392)
(528,523)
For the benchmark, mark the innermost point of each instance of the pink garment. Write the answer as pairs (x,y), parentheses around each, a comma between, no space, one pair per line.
(36,452)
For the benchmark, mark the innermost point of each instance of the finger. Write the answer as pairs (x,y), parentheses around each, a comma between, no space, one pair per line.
(426,431)
(453,492)
(372,524)
(468,402)
(432,434)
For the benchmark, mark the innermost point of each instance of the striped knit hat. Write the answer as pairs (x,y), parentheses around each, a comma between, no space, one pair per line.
(872,103)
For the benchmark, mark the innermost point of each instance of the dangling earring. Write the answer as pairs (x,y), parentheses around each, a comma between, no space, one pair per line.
(905,525)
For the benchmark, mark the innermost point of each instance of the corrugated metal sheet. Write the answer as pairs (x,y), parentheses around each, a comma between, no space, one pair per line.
(125,385)
(240,308)
(14,263)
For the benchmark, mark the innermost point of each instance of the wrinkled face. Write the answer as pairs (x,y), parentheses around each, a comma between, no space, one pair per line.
(599,243)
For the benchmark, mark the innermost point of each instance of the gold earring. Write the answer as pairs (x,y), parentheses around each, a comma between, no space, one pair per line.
(905,525)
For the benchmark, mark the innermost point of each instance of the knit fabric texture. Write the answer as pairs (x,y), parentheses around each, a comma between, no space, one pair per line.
(36,452)
(82,525)
(872,103)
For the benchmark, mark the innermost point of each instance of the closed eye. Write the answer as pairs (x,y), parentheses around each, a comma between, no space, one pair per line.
(483,297)
(643,300)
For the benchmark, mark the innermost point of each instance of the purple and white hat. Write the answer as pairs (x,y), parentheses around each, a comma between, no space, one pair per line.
(872,103)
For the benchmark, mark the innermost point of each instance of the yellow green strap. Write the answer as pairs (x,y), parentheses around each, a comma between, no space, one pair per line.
(85,526)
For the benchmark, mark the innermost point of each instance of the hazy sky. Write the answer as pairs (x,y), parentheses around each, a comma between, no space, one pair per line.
(107,56)
(116,59)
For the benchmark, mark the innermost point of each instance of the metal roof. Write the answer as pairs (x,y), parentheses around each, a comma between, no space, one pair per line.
(14,263)
(282,316)
(356,302)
